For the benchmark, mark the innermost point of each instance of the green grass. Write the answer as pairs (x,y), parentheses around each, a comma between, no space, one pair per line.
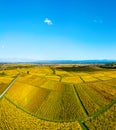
(88,104)
(44,94)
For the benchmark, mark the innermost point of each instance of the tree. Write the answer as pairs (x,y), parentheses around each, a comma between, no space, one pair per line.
(27,72)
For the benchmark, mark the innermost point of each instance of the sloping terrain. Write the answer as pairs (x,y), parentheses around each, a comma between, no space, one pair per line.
(40,101)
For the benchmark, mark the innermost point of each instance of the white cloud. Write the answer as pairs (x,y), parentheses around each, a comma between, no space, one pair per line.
(97,20)
(2,46)
(48,21)
(101,21)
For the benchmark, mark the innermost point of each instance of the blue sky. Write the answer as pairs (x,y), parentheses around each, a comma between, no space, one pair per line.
(58,29)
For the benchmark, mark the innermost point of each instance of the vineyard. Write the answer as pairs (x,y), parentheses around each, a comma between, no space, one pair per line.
(47,97)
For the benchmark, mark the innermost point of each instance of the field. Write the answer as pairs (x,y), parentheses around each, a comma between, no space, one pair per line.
(57,97)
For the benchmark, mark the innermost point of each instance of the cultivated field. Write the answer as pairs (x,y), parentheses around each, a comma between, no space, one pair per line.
(57,97)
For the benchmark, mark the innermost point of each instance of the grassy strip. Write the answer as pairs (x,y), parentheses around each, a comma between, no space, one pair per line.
(41,118)
(104,109)
(82,79)
(60,78)
(53,69)
(77,95)
(19,107)
(83,126)
(54,72)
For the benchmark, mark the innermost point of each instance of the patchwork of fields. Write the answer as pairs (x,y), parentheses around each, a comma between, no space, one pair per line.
(57,97)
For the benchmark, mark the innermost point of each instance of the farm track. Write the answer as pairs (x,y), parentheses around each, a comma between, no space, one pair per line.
(82,79)
(102,110)
(99,98)
(77,95)
(34,115)
(10,85)
(81,121)
(73,86)
(88,102)
(95,115)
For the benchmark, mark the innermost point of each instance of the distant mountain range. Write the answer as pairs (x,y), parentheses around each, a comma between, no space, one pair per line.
(21,60)
(75,61)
